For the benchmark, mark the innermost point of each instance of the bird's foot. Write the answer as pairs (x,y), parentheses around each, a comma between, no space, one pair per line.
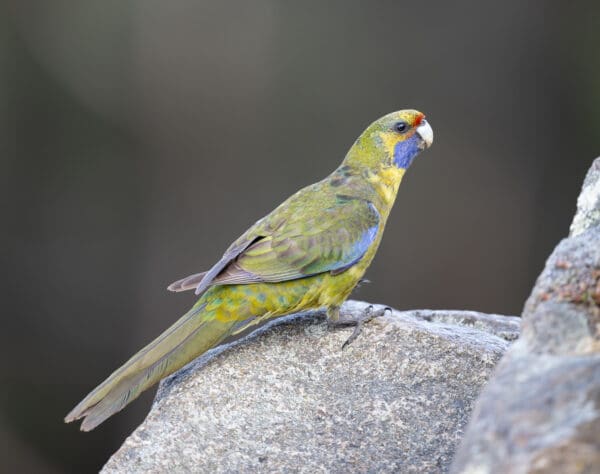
(358,322)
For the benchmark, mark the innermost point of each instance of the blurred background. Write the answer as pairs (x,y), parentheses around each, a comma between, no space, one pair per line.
(139,138)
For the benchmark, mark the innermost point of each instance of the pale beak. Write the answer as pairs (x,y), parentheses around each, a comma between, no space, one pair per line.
(426,133)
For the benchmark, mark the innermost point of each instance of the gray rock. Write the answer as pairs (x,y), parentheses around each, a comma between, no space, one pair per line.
(290,400)
(588,203)
(540,413)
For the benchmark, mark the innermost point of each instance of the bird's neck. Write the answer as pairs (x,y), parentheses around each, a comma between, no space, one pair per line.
(382,187)
(385,182)
(370,159)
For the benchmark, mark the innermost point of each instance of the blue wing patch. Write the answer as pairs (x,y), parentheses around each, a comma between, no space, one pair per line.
(360,247)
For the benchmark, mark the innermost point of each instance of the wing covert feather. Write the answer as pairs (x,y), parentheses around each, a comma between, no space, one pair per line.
(335,238)
(298,243)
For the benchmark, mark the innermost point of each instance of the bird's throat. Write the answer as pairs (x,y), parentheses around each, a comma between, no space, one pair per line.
(386,183)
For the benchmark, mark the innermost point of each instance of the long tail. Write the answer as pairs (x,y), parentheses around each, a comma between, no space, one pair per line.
(192,335)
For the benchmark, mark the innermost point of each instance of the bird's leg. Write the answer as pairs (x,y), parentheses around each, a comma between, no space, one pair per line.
(334,320)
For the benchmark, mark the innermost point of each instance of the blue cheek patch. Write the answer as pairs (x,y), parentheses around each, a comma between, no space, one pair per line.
(405,152)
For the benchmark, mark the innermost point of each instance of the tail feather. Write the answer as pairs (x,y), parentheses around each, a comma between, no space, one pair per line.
(192,335)
(187,283)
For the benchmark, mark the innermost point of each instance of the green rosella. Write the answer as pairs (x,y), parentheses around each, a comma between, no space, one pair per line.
(309,253)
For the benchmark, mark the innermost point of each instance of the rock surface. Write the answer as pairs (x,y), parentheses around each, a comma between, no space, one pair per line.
(588,203)
(540,413)
(290,400)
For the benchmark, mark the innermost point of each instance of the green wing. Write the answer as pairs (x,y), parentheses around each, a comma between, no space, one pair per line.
(332,240)
(294,241)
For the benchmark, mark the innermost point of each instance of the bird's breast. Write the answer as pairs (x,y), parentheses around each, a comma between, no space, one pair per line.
(335,289)
(386,183)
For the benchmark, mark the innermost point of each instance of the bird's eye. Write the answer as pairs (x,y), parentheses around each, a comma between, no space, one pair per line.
(401,127)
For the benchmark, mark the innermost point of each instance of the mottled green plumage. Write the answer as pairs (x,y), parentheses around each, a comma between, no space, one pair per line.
(310,252)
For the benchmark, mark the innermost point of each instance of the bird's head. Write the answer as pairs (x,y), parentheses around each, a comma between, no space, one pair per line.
(393,140)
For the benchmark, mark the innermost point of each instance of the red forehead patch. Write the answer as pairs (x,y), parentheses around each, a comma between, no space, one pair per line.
(418,119)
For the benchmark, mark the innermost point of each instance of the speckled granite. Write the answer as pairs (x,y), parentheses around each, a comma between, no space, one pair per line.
(290,400)
(540,413)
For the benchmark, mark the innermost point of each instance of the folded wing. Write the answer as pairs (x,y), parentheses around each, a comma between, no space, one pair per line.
(294,245)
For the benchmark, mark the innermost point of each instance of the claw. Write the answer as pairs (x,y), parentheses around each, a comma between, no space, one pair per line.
(353,336)
(359,322)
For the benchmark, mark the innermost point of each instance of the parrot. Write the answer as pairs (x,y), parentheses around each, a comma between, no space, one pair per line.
(307,254)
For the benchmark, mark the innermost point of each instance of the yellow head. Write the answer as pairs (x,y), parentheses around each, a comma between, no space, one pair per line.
(393,140)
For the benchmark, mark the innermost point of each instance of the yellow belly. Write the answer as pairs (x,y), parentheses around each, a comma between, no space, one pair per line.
(255,303)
